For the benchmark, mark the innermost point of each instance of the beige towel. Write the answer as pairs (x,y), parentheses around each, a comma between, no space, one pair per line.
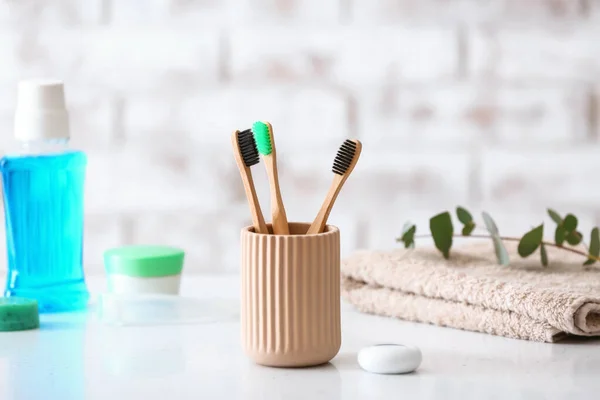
(470,291)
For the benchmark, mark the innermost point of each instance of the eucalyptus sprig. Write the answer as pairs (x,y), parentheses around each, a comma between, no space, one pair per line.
(442,232)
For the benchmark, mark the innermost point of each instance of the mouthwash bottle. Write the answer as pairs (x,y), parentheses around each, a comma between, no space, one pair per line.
(43,183)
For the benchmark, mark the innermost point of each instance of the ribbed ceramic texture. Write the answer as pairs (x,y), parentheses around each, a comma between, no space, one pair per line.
(291,296)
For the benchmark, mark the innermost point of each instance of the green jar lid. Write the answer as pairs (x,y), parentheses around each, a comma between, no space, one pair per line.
(18,314)
(144,261)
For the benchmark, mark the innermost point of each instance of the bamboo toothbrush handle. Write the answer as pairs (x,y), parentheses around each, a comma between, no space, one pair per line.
(257,217)
(318,224)
(280,222)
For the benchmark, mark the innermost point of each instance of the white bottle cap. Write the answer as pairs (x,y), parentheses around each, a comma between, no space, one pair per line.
(41,112)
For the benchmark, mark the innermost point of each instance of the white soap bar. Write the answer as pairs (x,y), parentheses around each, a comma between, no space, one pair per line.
(389,359)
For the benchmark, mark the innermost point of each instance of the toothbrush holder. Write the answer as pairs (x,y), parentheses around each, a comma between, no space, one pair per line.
(290,308)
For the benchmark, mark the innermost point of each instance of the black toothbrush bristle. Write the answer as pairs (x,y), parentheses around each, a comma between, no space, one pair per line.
(344,157)
(248,148)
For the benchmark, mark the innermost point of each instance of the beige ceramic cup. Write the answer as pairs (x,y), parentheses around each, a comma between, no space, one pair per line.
(290,308)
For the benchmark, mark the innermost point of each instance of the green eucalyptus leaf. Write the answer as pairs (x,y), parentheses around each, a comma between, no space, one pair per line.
(594,246)
(490,225)
(560,235)
(408,231)
(501,253)
(555,216)
(408,235)
(574,238)
(408,243)
(468,228)
(595,242)
(570,223)
(543,255)
(463,215)
(531,241)
(442,231)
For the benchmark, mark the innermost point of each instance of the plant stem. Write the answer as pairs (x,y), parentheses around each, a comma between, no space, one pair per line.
(514,239)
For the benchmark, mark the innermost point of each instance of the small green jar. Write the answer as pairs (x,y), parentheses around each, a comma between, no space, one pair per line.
(144,269)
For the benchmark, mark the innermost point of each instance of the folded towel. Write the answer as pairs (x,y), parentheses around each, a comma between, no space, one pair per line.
(470,291)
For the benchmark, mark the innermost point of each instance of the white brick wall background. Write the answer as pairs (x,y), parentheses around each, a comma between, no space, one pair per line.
(490,104)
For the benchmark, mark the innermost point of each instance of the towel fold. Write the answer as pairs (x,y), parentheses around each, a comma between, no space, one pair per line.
(470,291)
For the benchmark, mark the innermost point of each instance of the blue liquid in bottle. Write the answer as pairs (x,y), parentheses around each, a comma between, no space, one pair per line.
(43,203)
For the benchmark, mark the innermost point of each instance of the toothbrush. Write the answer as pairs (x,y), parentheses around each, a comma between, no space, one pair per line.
(246,155)
(263,134)
(345,160)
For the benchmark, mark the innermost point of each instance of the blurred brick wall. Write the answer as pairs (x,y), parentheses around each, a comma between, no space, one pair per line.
(489,104)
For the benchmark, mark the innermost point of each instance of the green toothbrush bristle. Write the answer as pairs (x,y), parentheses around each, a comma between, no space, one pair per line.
(262,138)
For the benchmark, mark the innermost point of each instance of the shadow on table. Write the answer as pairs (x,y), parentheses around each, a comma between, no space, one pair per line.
(580,340)
(322,381)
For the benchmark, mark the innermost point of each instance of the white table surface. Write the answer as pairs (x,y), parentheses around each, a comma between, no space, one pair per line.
(76,357)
